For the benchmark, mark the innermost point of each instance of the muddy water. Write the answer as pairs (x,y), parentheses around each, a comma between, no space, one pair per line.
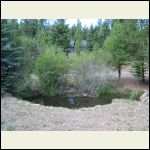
(73,102)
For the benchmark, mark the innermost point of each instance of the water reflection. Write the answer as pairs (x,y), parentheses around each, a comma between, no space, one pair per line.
(71,100)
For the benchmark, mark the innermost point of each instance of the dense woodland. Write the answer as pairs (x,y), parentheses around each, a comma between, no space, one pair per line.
(41,47)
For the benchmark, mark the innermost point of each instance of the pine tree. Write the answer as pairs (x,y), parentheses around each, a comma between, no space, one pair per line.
(10,60)
(104,32)
(117,43)
(78,45)
(90,38)
(99,24)
(140,42)
(29,27)
(60,35)
(84,33)
(72,32)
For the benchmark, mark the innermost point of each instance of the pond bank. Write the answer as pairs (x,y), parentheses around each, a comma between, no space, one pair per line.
(120,115)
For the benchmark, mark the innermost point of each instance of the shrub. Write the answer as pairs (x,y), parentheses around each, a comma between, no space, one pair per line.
(43,37)
(90,71)
(24,86)
(29,54)
(133,95)
(106,91)
(28,86)
(136,96)
(51,68)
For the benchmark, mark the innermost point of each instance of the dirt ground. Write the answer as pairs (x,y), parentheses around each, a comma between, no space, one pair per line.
(120,115)
(129,81)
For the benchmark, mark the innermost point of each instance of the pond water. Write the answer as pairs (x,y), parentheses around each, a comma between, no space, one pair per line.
(72,102)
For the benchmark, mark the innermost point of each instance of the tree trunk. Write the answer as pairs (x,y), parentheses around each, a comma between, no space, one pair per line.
(74,45)
(143,73)
(119,73)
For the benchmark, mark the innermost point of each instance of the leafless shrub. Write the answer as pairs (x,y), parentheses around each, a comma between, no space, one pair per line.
(90,74)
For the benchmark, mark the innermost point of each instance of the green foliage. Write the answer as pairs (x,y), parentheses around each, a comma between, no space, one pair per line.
(76,35)
(9,126)
(29,53)
(106,91)
(22,43)
(10,59)
(51,67)
(139,69)
(24,86)
(117,43)
(134,95)
(72,32)
(29,27)
(90,36)
(76,31)
(60,35)
(101,55)
(43,37)
(14,27)
(84,32)
(28,86)
(96,46)
(141,43)
(78,45)
(121,21)
(104,32)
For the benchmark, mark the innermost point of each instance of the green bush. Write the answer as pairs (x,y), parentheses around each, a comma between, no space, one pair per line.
(106,91)
(29,55)
(134,95)
(24,86)
(28,86)
(51,68)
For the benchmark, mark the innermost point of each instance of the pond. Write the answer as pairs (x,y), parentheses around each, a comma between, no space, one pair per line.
(73,102)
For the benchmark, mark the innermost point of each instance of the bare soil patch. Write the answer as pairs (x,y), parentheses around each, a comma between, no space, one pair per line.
(128,80)
(120,115)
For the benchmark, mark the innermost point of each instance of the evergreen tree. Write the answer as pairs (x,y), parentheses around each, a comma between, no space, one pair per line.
(78,45)
(90,38)
(77,34)
(117,21)
(41,24)
(72,32)
(140,42)
(99,24)
(104,32)
(84,33)
(10,60)
(29,27)
(117,43)
(60,35)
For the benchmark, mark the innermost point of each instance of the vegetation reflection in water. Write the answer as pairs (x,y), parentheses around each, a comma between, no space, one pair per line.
(73,102)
